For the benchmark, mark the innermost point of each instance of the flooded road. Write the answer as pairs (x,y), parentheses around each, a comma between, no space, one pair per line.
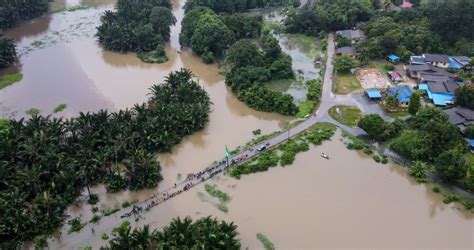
(319,204)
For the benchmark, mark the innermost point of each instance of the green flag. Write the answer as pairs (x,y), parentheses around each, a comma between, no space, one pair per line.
(227,153)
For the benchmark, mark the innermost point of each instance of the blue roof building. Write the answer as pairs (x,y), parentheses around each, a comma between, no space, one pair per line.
(439,99)
(373,94)
(402,93)
(393,58)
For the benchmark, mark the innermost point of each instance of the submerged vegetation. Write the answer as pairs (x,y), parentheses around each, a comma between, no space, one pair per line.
(286,152)
(140,26)
(60,108)
(267,244)
(8,80)
(205,233)
(347,115)
(46,162)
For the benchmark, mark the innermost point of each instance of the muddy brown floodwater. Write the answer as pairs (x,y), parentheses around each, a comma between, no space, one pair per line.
(349,201)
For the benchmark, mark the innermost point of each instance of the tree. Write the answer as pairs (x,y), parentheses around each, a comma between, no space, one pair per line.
(415,104)
(468,132)
(374,126)
(391,101)
(161,19)
(465,96)
(344,64)
(451,165)
(205,233)
(244,53)
(211,35)
(7,51)
(410,145)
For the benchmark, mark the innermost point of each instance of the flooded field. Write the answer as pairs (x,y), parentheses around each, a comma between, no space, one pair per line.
(347,202)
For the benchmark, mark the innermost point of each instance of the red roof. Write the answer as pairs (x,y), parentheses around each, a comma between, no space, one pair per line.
(406,4)
(395,75)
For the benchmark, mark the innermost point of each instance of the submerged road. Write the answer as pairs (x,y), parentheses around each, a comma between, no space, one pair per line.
(328,100)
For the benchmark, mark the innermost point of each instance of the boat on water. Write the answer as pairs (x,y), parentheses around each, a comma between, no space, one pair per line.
(325,156)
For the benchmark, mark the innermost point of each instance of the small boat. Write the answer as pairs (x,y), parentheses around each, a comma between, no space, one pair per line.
(325,156)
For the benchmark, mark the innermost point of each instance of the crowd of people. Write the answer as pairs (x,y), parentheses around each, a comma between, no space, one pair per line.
(189,182)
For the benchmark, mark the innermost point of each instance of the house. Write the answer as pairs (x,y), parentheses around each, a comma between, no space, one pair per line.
(393,58)
(460,62)
(461,117)
(406,4)
(373,94)
(437,60)
(395,76)
(441,90)
(355,35)
(416,71)
(402,93)
(349,51)
(417,60)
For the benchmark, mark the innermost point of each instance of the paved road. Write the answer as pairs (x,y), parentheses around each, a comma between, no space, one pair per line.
(328,100)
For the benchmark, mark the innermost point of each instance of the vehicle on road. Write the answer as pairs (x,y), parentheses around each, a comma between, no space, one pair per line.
(261,148)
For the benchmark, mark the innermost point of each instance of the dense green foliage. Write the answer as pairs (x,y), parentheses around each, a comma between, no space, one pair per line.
(469,131)
(378,129)
(136,25)
(344,63)
(206,34)
(244,26)
(328,15)
(387,35)
(465,96)
(252,67)
(7,51)
(45,162)
(414,104)
(205,233)
(14,11)
(231,6)
(451,165)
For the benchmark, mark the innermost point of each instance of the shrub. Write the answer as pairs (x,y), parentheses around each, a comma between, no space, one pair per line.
(451,198)
(76,225)
(93,199)
(377,158)
(95,219)
(389,67)
(368,151)
(267,244)
(104,236)
(436,189)
(384,160)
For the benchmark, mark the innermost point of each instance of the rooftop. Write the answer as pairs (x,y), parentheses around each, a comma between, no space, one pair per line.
(436,58)
(373,93)
(346,51)
(352,34)
(402,92)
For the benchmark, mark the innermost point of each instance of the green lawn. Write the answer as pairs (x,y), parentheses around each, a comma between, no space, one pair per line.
(348,115)
(345,83)
(7,80)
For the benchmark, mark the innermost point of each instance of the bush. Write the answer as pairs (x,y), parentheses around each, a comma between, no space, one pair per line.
(267,244)
(95,219)
(76,225)
(104,236)
(389,67)
(436,189)
(368,151)
(451,198)
(384,160)
(469,131)
(377,158)
(418,171)
(93,199)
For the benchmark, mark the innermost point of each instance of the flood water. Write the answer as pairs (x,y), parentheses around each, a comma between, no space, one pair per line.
(349,201)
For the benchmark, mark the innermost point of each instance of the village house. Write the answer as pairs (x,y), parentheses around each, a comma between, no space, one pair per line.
(416,71)
(355,35)
(402,93)
(349,51)
(440,89)
(461,117)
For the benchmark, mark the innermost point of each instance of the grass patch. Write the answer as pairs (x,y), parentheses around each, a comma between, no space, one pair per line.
(451,198)
(152,57)
(8,80)
(267,244)
(305,109)
(347,115)
(345,83)
(95,219)
(59,108)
